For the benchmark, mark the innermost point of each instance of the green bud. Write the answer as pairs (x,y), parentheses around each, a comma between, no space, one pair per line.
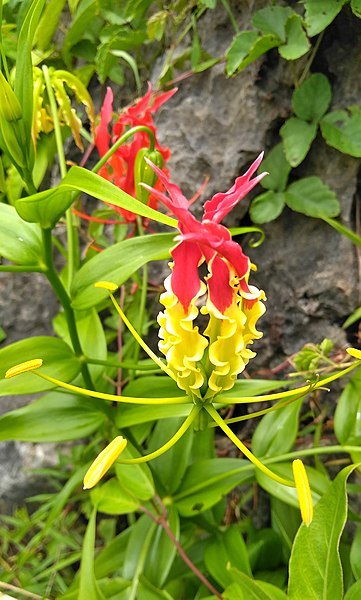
(143,173)
(10,108)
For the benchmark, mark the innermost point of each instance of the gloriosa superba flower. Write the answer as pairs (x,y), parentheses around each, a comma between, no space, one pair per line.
(203,364)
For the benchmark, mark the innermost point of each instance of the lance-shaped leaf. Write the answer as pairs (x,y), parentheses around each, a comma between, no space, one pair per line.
(20,242)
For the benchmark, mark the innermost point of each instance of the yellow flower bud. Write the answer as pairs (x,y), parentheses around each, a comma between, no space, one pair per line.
(104,461)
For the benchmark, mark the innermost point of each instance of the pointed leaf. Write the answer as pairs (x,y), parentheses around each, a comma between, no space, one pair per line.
(356,8)
(278,169)
(297,138)
(59,362)
(111,499)
(227,550)
(354,592)
(88,587)
(20,242)
(315,565)
(162,551)
(311,197)
(355,554)
(136,480)
(117,263)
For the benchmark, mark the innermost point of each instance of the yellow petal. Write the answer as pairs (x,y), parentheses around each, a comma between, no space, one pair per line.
(28,365)
(353,352)
(303,491)
(106,285)
(104,461)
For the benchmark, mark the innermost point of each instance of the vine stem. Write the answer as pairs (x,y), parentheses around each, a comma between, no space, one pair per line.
(121,141)
(161,520)
(64,300)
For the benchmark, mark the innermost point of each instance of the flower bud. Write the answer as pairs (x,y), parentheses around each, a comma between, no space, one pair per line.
(143,173)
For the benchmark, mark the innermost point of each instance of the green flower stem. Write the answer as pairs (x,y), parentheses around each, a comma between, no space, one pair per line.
(121,141)
(237,442)
(356,239)
(143,295)
(64,300)
(112,397)
(140,341)
(73,250)
(168,445)
(312,452)
(302,390)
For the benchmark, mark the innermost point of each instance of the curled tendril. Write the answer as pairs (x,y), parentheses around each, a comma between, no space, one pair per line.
(253,243)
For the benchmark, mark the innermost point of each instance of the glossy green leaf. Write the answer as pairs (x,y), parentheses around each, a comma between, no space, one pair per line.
(355,554)
(147,591)
(272,19)
(320,13)
(277,431)
(112,555)
(85,14)
(251,589)
(135,480)
(297,136)
(356,8)
(285,521)
(352,318)
(156,25)
(59,362)
(117,263)
(45,208)
(162,551)
(128,415)
(111,499)
(311,197)
(318,482)
(297,43)
(206,482)
(254,387)
(138,547)
(88,587)
(347,421)
(278,169)
(246,47)
(170,466)
(20,242)
(48,23)
(315,567)
(55,417)
(311,100)
(267,207)
(354,592)
(342,130)
(227,550)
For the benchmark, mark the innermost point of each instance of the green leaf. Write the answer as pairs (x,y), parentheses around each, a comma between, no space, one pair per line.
(111,499)
(20,242)
(206,482)
(246,48)
(47,207)
(128,415)
(139,544)
(227,550)
(117,263)
(86,13)
(251,589)
(311,197)
(59,362)
(354,592)
(315,567)
(297,138)
(297,41)
(88,587)
(356,8)
(347,416)
(136,480)
(285,521)
(267,207)
(147,591)
(311,100)
(49,23)
(342,130)
(320,13)
(55,417)
(355,554)
(162,551)
(278,169)
(277,431)
(254,387)
(272,19)
(318,482)
(353,317)
(156,25)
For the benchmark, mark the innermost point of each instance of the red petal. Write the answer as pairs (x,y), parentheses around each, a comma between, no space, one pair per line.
(102,136)
(220,291)
(162,98)
(185,279)
(220,205)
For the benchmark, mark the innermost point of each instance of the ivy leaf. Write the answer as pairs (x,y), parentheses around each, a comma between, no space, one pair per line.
(278,169)
(320,13)
(342,130)
(297,138)
(273,19)
(297,41)
(245,48)
(311,197)
(267,207)
(311,100)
